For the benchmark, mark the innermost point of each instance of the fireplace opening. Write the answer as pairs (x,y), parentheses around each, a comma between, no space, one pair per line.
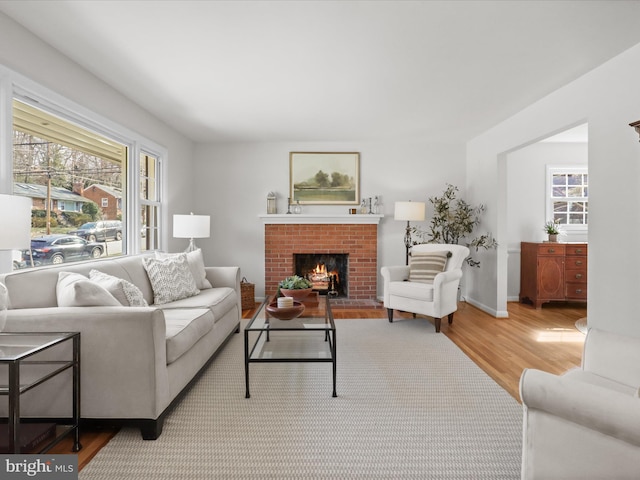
(327,272)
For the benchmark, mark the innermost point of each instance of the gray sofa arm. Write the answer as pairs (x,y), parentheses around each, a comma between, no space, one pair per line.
(592,406)
(226,277)
(123,356)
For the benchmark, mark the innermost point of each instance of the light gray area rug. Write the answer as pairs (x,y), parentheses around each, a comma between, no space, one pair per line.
(410,405)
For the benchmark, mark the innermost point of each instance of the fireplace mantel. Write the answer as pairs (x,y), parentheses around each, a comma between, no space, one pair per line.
(316,219)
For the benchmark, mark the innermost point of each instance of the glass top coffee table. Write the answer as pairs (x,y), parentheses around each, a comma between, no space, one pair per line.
(310,337)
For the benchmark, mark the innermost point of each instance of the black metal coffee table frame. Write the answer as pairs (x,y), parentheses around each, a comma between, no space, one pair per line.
(264,325)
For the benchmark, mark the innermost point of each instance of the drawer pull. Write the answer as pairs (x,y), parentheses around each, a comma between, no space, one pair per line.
(578,250)
(578,262)
(578,290)
(578,275)
(551,250)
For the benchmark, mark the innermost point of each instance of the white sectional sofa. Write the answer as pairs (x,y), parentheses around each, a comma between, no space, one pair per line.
(136,361)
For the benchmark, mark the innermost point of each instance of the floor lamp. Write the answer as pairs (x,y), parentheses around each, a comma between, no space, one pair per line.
(410,212)
(191,226)
(15,234)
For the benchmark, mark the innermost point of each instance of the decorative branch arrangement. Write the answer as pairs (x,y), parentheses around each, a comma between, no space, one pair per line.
(453,222)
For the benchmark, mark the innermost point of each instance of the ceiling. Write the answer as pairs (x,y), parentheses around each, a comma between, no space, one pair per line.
(238,71)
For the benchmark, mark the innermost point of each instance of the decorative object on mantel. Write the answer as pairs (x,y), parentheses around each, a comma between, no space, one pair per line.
(191,226)
(453,221)
(325,178)
(14,235)
(552,228)
(636,125)
(271,203)
(409,211)
(296,287)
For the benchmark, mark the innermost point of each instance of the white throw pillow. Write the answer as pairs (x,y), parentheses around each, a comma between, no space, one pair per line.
(75,290)
(196,265)
(125,292)
(171,279)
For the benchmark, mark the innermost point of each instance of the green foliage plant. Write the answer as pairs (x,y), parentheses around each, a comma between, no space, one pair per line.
(295,282)
(454,222)
(552,227)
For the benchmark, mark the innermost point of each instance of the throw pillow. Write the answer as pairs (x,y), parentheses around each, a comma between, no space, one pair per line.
(196,265)
(171,279)
(424,266)
(75,290)
(125,292)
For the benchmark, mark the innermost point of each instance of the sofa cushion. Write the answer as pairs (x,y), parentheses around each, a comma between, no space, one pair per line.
(171,279)
(185,326)
(413,290)
(424,266)
(219,300)
(125,292)
(76,290)
(195,261)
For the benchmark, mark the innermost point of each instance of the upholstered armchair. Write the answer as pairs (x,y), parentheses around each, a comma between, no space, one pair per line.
(585,423)
(428,285)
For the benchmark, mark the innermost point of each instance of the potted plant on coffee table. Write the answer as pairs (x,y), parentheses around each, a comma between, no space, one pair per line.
(296,287)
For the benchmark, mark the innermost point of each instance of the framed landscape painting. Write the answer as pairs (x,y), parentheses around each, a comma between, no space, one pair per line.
(324,178)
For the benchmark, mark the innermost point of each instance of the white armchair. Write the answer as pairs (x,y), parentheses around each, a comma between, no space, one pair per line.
(435,299)
(585,423)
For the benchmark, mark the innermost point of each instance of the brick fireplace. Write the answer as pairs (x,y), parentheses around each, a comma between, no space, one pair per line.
(287,235)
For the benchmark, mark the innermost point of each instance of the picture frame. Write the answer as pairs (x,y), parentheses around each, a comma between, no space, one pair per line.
(324,178)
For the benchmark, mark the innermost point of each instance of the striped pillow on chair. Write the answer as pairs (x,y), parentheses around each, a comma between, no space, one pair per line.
(424,266)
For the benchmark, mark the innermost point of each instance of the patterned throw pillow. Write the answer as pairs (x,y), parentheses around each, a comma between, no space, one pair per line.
(424,266)
(196,265)
(125,292)
(171,279)
(75,290)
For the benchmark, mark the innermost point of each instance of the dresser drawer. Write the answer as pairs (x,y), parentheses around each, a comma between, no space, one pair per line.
(551,249)
(576,291)
(576,263)
(576,249)
(575,275)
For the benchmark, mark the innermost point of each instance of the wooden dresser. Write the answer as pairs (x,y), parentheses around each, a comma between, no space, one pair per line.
(553,272)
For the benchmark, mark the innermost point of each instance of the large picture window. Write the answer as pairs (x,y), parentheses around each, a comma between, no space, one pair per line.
(79,182)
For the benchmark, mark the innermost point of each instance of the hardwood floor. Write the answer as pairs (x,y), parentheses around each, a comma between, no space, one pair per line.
(545,339)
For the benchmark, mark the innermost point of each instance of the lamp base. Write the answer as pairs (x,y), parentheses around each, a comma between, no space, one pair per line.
(192,246)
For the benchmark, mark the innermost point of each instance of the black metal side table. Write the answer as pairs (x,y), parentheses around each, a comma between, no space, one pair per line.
(25,371)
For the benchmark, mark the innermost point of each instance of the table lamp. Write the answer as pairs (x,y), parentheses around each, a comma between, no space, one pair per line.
(409,211)
(15,234)
(191,226)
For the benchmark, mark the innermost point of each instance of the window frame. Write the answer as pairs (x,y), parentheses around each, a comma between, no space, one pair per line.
(549,211)
(14,85)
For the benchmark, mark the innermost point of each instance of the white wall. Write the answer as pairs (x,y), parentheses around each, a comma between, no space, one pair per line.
(608,99)
(233,181)
(27,55)
(526,198)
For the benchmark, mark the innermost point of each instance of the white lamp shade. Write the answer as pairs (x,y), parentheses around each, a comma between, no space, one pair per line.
(15,218)
(409,211)
(191,226)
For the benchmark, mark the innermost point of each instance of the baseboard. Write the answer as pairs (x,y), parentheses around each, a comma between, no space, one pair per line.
(491,311)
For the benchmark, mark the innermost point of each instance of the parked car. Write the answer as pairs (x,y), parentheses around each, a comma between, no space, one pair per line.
(102,230)
(18,260)
(58,249)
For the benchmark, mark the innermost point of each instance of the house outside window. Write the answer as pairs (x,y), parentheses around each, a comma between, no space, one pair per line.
(568,197)
(104,202)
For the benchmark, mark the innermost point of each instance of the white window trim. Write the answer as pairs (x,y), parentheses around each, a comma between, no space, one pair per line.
(551,169)
(13,85)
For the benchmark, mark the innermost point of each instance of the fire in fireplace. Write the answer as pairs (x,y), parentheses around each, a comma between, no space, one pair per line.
(327,272)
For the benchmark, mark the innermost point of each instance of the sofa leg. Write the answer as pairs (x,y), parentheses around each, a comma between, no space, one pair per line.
(390,314)
(151,429)
(438,321)
(450,318)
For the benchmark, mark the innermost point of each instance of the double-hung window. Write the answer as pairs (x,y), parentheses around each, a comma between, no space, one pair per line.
(568,197)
